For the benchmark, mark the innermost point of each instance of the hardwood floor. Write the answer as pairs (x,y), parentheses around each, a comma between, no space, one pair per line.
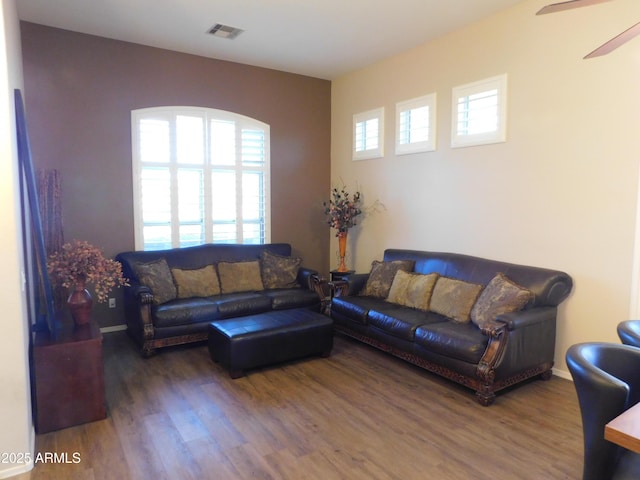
(359,414)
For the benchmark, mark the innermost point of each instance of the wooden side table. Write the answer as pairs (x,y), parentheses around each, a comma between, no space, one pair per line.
(69,377)
(327,290)
(336,275)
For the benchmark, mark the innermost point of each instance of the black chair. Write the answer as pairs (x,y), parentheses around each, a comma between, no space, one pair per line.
(607,380)
(629,332)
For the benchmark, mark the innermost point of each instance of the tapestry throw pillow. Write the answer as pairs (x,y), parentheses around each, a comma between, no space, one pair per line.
(454,298)
(412,289)
(381,277)
(157,276)
(240,276)
(501,295)
(201,282)
(279,271)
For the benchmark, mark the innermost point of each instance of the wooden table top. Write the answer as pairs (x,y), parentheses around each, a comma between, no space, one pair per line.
(624,430)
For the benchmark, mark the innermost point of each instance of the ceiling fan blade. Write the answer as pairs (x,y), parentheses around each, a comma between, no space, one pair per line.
(558,7)
(616,41)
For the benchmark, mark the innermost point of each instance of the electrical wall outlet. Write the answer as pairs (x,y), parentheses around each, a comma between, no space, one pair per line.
(112,303)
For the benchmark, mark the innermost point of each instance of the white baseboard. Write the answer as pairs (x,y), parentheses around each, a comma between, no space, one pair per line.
(13,471)
(113,328)
(562,374)
(24,467)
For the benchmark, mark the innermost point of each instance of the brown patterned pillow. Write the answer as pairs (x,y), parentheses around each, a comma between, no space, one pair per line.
(157,276)
(240,276)
(454,298)
(412,289)
(501,295)
(201,282)
(382,275)
(279,271)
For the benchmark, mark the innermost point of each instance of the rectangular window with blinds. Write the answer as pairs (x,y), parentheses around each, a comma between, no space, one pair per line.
(368,134)
(479,112)
(416,125)
(200,176)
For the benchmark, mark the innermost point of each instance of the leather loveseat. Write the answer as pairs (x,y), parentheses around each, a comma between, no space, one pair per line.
(174,294)
(482,323)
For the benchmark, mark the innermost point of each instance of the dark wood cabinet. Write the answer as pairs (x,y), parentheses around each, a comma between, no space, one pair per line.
(68,377)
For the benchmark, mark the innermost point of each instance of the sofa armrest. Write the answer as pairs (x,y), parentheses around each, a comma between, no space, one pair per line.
(138,302)
(141,293)
(305,277)
(527,318)
(496,331)
(523,327)
(355,282)
(519,342)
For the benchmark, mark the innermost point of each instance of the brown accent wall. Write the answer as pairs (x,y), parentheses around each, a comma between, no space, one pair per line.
(79,93)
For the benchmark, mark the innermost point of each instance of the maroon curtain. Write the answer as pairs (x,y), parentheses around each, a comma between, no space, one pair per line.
(50,209)
(50,206)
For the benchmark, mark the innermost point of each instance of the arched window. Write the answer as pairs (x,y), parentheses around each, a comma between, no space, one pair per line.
(199,176)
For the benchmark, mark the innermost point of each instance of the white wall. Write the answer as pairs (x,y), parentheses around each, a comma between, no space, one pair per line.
(16,434)
(560,193)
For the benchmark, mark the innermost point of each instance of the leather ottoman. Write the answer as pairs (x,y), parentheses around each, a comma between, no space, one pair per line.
(242,343)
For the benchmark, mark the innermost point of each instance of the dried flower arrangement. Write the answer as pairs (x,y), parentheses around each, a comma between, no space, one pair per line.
(342,210)
(80,262)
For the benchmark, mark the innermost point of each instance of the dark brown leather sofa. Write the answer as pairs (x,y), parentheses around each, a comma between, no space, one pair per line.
(511,348)
(184,320)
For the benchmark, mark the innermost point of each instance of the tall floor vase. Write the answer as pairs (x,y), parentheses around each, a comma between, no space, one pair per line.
(342,246)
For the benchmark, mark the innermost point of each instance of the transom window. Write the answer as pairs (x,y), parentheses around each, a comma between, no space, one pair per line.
(480,112)
(200,176)
(415,125)
(368,130)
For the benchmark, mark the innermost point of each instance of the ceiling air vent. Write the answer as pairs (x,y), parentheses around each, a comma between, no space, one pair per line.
(225,31)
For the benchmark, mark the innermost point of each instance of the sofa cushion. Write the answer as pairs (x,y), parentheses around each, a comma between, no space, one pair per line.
(398,320)
(184,312)
(244,303)
(279,271)
(283,298)
(454,298)
(412,289)
(240,277)
(501,295)
(354,308)
(157,276)
(463,341)
(201,282)
(381,277)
